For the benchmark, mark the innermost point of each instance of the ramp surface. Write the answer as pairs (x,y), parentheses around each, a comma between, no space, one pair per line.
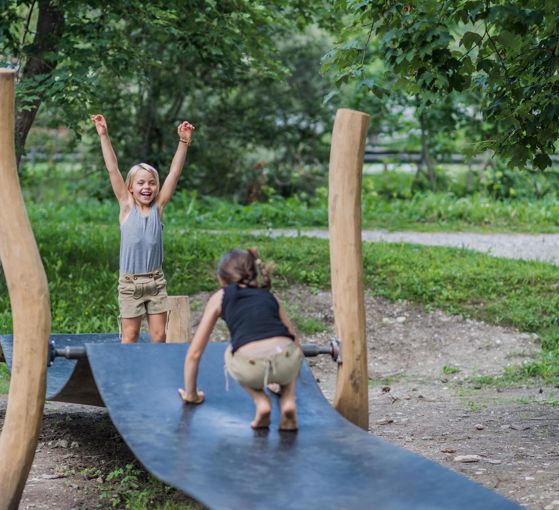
(210,451)
(70,380)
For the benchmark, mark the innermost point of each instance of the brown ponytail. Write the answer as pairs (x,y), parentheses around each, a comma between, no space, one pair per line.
(264,270)
(245,268)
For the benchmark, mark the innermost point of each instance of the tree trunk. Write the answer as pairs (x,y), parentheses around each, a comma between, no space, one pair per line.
(425,160)
(39,65)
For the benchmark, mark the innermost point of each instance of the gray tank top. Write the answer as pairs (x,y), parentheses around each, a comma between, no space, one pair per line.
(141,242)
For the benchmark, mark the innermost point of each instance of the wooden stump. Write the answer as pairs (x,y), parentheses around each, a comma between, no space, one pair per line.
(178,326)
(29,297)
(344,218)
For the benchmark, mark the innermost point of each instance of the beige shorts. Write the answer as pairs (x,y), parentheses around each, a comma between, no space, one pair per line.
(257,373)
(143,293)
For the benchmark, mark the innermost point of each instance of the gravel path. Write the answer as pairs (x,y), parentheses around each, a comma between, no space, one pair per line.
(542,247)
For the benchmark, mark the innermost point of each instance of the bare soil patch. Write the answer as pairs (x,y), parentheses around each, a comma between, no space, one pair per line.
(421,397)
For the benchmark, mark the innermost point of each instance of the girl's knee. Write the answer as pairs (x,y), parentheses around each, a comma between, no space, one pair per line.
(130,337)
(158,338)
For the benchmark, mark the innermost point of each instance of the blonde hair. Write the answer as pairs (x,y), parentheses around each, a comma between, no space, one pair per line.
(142,166)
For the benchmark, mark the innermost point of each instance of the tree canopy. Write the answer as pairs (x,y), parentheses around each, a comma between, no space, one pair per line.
(504,55)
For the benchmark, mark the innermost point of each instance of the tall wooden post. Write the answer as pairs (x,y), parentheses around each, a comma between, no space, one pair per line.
(344,218)
(178,327)
(29,297)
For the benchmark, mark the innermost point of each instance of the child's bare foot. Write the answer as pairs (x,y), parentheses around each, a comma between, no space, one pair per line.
(263,411)
(288,420)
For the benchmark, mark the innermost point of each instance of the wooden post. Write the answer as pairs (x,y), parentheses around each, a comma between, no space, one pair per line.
(344,218)
(29,297)
(178,327)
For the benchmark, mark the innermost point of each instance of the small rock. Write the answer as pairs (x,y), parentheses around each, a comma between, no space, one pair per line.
(448,450)
(74,444)
(479,426)
(493,461)
(386,389)
(400,320)
(385,421)
(467,458)
(99,480)
(427,438)
(519,426)
(52,477)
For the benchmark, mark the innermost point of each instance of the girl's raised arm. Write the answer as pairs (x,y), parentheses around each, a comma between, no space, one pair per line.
(191,394)
(184,131)
(117,182)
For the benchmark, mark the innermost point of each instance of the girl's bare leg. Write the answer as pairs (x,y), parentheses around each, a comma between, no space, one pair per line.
(288,407)
(157,323)
(263,408)
(130,330)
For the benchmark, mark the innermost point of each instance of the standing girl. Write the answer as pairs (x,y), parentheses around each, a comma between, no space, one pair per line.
(264,348)
(141,285)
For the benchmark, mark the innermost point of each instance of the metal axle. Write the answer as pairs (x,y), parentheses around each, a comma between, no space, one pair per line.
(79,352)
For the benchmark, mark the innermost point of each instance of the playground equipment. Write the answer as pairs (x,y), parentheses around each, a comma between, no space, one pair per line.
(29,296)
(209,451)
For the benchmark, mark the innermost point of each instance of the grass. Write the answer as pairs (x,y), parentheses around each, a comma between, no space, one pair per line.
(425,211)
(133,488)
(4,379)
(78,240)
(521,294)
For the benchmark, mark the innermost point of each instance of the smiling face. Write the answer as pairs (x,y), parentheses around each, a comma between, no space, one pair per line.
(143,183)
(144,187)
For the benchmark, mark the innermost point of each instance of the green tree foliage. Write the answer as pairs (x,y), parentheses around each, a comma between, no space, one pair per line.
(146,65)
(504,54)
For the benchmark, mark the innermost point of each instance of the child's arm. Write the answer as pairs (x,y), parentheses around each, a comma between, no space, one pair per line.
(117,182)
(184,131)
(191,394)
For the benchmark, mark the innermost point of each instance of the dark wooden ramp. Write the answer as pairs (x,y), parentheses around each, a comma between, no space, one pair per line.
(211,453)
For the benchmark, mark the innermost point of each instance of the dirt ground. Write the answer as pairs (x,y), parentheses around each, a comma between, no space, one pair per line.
(421,397)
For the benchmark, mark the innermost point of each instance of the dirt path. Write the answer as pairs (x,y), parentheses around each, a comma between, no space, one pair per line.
(421,397)
(542,247)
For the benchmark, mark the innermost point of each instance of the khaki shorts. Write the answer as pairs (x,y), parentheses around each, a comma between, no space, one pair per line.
(143,293)
(257,373)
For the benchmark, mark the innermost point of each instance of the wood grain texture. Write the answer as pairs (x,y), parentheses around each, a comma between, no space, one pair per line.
(29,297)
(178,327)
(346,261)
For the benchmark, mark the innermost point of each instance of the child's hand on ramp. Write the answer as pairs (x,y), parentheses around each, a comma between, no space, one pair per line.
(191,399)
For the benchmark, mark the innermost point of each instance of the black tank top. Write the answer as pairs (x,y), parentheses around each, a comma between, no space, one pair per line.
(251,314)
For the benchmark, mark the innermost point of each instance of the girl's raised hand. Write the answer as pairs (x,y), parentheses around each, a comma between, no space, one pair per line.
(100,124)
(184,131)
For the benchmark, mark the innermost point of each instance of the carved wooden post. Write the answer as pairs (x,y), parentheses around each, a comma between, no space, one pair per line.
(178,327)
(346,165)
(29,297)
